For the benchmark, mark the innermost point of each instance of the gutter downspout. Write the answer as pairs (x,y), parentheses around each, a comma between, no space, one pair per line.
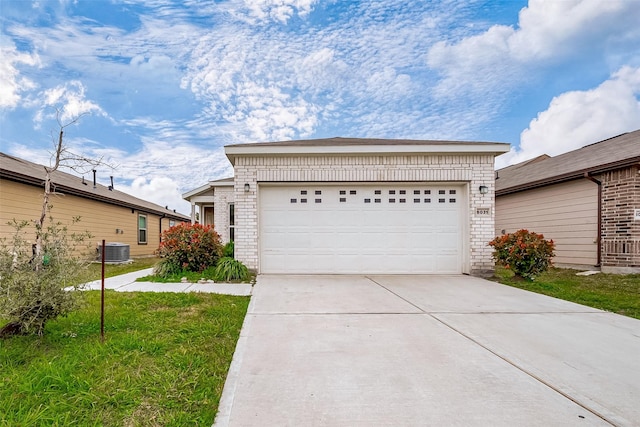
(599,237)
(160,231)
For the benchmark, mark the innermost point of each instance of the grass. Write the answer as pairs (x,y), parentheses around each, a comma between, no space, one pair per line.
(111,270)
(192,277)
(616,293)
(163,363)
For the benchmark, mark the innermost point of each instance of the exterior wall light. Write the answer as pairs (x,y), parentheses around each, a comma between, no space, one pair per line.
(483,189)
(247,187)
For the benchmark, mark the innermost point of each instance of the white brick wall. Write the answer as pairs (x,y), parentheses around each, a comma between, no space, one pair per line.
(475,170)
(221,199)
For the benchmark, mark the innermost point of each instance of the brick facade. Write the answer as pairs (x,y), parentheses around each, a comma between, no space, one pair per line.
(222,198)
(620,234)
(473,169)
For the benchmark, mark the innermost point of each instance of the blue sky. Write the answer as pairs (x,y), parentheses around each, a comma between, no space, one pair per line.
(163,85)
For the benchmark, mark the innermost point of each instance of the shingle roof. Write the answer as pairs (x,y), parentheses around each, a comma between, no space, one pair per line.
(362,146)
(329,142)
(21,170)
(613,153)
(224,182)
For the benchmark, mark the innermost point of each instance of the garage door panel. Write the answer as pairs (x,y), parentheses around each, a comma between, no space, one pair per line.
(355,228)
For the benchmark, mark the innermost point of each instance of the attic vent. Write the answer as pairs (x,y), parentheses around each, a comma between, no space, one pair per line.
(114,252)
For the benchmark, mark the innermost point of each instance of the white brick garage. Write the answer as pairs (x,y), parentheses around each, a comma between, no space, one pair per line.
(276,235)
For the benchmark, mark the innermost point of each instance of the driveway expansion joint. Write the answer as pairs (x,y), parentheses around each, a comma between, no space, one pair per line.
(527,372)
(393,293)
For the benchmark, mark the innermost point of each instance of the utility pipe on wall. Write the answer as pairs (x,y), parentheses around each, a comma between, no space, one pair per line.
(599,236)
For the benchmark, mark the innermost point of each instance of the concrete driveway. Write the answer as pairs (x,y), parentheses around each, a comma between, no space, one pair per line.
(427,351)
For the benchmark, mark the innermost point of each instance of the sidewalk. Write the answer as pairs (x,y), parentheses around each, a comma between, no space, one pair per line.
(127,283)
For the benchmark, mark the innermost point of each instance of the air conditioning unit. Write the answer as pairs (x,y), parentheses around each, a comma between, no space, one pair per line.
(114,252)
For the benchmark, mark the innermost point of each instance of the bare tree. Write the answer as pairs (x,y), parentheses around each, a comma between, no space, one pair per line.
(35,282)
(62,157)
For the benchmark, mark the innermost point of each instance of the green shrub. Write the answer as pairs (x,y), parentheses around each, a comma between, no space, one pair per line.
(228,250)
(526,253)
(229,269)
(35,289)
(190,247)
(167,267)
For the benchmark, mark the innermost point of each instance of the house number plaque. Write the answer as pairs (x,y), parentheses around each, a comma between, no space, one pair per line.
(636,214)
(483,211)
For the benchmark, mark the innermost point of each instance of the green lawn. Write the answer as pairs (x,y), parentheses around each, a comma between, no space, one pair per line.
(164,363)
(111,270)
(611,292)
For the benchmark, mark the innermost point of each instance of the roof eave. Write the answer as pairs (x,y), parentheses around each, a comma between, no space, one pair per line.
(208,186)
(264,150)
(557,179)
(30,180)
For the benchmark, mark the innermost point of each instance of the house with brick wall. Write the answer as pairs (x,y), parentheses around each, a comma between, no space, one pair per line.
(212,204)
(357,206)
(586,200)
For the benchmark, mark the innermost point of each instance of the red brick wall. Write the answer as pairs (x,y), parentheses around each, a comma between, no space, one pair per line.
(620,233)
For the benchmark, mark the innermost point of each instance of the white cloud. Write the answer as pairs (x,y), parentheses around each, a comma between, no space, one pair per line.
(161,171)
(12,84)
(270,83)
(575,119)
(161,190)
(70,101)
(272,10)
(546,30)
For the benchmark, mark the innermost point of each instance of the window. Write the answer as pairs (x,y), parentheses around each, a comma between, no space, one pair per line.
(232,222)
(142,229)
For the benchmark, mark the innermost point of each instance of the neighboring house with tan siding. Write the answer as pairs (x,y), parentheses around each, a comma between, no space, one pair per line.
(586,200)
(105,212)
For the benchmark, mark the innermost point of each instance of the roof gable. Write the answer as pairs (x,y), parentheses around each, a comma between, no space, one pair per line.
(208,188)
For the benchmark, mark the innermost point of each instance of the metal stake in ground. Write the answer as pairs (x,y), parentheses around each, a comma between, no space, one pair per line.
(102,297)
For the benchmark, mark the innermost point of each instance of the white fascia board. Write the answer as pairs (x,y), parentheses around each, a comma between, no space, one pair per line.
(202,199)
(211,185)
(249,150)
(221,183)
(189,194)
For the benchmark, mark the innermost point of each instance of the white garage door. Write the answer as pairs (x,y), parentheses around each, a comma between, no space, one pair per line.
(361,229)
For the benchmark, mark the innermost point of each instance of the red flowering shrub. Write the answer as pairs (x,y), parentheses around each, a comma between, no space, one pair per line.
(190,247)
(526,253)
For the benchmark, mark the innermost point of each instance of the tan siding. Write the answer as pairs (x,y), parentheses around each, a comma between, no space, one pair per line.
(566,213)
(23,202)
